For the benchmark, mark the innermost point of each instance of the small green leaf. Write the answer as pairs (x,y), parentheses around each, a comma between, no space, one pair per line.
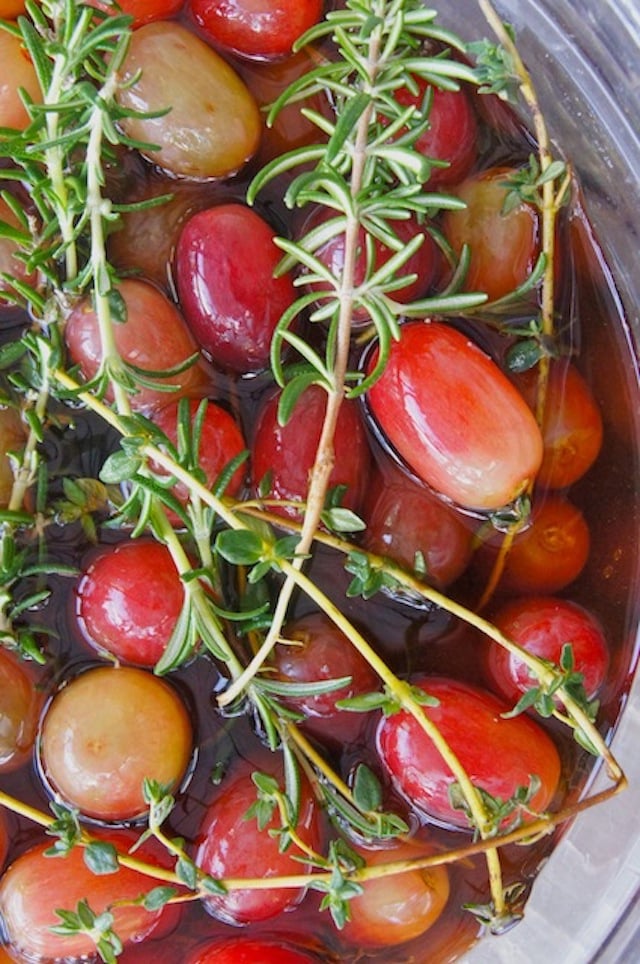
(240,548)
(212,886)
(117,306)
(524,355)
(187,872)
(292,392)
(364,703)
(120,467)
(265,783)
(101,857)
(158,898)
(526,701)
(422,698)
(302,690)
(367,791)
(346,123)
(340,519)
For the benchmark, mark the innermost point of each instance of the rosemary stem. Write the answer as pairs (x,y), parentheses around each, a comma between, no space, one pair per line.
(100,208)
(193,588)
(29,457)
(320,763)
(325,453)
(55,160)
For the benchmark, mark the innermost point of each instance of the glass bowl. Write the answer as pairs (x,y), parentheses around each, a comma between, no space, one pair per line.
(584,56)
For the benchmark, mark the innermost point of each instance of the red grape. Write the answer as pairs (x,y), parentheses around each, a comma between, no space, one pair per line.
(20,705)
(571,427)
(231,845)
(263,29)
(398,907)
(452,133)
(220,441)
(224,266)
(18,73)
(12,438)
(36,885)
(107,731)
(290,128)
(410,525)
(452,414)
(154,337)
(504,246)
(142,11)
(426,263)
(499,755)
(320,651)
(214,125)
(284,454)
(543,625)
(129,599)
(550,553)
(10,9)
(243,950)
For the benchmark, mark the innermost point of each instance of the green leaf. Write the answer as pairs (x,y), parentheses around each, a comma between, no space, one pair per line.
(367,791)
(101,857)
(187,872)
(340,519)
(120,467)
(583,740)
(526,701)
(422,698)
(293,785)
(11,353)
(212,886)
(158,898)
(524,355)
(346,124)
(293,390)
(117,306)
(265,783)
(240,548)
(301,690)
(371,824)
(364,702)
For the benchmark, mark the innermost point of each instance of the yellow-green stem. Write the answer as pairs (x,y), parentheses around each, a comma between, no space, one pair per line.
(532,831)
(551,201)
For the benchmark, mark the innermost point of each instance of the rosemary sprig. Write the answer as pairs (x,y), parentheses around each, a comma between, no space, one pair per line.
(368,175)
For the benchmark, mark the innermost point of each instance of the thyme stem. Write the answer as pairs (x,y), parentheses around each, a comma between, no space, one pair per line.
(551,199)
(542,826)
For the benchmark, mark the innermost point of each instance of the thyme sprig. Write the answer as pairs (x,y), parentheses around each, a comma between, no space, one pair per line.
(546,182)
(99,927)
